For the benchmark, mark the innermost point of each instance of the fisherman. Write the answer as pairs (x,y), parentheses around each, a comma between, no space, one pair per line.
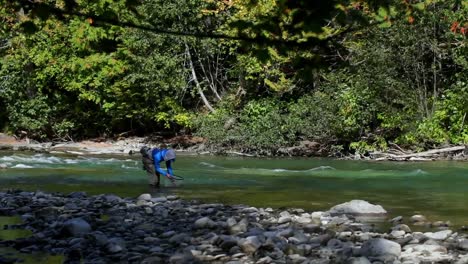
(152,157)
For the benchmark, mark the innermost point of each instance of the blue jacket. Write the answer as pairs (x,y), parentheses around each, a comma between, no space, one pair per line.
(158,157)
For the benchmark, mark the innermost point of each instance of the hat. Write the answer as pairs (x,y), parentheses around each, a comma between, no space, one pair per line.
(144,149)
(170,154)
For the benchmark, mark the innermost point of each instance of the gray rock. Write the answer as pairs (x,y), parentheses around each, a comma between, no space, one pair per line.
(172,197)
(250,244)
(144,197)
(358,208)
(179,238)
(296,258)
(425,248)
(462,260)
(226,242)
(401,227)
(312,228)
(76,227)
(396,220)
(380,248)
(249,210)
(111,198)
(240,227)
(78,195)
(158,200)
(397,233)
(360,260)
(441,235)
(181,259)
(264,260)
(334,243)
(284,219)
(463,244)
(441,224)
(418,218)
(115,245)
(303,220)
(205,222)
(298,238)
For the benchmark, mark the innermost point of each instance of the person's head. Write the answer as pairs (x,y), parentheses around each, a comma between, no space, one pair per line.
(170,155)
(163,146)
(144,150)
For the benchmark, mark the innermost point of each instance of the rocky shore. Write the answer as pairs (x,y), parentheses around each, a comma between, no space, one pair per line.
(195,145)
(166,229)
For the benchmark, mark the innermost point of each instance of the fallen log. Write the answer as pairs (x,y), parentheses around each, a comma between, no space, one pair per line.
(428,153)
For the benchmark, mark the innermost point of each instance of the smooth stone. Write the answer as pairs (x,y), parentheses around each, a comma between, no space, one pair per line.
(158,200)
(238,228)
(397,233)
(396,220)
(76,227)
(144,197)
(380,247)
(357,207)
(418,218)
(425,248)
(264,260)
(441,235)
(249,210)
(284,219)
(402,227)
(111,198)
(463,244)
(172,197)
(303,220)
(250,244)
(358,260)
(204,222)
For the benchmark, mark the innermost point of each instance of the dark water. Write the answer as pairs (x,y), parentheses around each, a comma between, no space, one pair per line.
(438,190)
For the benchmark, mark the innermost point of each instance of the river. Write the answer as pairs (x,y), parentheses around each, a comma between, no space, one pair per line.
(438,190)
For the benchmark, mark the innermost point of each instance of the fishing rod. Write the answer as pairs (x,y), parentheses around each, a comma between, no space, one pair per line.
(177,177)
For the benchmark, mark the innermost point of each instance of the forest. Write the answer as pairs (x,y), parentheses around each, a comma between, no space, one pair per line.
(249,75)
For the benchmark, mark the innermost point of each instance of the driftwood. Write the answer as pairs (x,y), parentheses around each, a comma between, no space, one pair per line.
(240,154)
(419,155)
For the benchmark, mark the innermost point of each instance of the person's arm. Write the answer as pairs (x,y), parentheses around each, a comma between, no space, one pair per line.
(169,167)
(158,168)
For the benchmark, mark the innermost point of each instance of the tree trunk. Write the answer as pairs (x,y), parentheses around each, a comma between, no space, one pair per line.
(195,79)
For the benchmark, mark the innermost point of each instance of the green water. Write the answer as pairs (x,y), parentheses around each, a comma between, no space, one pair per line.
(436,189)
(11,234)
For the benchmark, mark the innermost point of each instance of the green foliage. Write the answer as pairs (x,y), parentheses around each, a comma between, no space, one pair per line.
(307,70)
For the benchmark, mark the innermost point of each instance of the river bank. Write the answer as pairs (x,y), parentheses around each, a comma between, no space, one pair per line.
(197,146)
(165,229)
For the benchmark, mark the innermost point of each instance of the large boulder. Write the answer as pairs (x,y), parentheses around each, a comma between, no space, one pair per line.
(359,208)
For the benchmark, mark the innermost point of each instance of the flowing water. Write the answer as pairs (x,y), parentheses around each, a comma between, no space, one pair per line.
(438,190)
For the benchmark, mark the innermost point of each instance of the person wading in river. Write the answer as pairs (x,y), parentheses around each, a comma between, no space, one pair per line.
(151,158)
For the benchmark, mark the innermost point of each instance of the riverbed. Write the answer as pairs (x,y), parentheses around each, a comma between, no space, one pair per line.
(438,189)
